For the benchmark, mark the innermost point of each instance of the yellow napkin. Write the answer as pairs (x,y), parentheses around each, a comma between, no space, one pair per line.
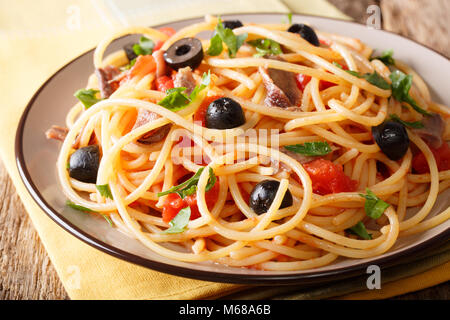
(36,39)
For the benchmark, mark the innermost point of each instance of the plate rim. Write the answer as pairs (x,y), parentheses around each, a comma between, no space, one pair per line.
(306,278)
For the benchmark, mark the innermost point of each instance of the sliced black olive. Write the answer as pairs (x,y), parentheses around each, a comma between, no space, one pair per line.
(263,195)
(83,164)
(392,139)
(224,113)
(306,32)
(230,24)
(186,52)
(128,48)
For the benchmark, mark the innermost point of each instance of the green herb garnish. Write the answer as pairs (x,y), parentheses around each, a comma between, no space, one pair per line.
(215,46)
(143,47)
(265,47)
(401,84)
(386,57)
(360,230)
(227,36)
(374,206)
(176,99)
(414,125)
(179,223)
(108,219)
(189,187)
(373,78)
(78,207)
(289,16)
(88,97)
(104,190)
(310,148)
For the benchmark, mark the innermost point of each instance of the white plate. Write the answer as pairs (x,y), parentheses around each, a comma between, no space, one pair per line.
(36,158)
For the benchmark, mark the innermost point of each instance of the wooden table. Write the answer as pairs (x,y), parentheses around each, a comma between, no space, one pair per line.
(25,269)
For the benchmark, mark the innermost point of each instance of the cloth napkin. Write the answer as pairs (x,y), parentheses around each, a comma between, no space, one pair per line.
(36,39)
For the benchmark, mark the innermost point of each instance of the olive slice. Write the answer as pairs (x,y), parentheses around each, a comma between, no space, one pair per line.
(186,52)
(230,24)
(306,32)
(83,164)
(224,113)
(264,193)
(392,139)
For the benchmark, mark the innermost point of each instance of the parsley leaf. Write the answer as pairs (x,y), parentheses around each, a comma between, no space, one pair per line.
(206,80)
(215,46)
(414,125)
(360,230)
(232,41)
(179,223)
(176,99)
(189,187)
(386,57)
(373,78)
(289,16)
(104,190)
(401,84)
(108,219)
(310,148)
(78,207)
(265,46)
(377,80)
(143,47)
(374,206)
(87,97)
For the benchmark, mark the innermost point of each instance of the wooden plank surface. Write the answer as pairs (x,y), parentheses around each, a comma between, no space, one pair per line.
(25,269)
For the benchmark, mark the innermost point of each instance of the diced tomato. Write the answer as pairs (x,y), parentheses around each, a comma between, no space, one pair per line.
(328,178)
(200,114)
(164,83)
(325,42)
(303,80)
(143,66)
(166,30)
(174,204)
(442,156)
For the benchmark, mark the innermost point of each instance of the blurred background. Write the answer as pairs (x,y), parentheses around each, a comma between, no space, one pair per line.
(25,269)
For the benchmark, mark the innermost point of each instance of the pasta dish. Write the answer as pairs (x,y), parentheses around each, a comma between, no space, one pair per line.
(267,146)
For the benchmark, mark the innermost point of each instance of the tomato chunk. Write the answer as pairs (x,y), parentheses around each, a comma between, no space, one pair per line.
(442,156)
(164,83)
(168,31)
(174,204)
(200,114)
(303,80)
(326,177)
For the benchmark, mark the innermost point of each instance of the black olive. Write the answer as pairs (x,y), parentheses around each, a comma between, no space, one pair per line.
(128,48)
(83,164)
(306,32)
(224,113)
(263,195)
(392,139)
(186,52)
(230,24)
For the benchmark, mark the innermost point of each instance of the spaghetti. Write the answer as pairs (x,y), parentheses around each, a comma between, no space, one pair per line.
(193,187)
